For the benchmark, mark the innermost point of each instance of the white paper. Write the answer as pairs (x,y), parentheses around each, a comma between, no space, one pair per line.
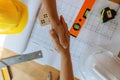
(81,47)
(40,39)
(101,34)
(17,42)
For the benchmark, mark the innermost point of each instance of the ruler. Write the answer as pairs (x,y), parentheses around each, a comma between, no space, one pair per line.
(20,58)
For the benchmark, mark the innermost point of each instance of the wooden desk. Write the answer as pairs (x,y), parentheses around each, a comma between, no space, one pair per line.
(117,1)
(28,70)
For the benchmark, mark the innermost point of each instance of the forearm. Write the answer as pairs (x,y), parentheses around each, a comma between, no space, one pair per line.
(50,6)
(66,68)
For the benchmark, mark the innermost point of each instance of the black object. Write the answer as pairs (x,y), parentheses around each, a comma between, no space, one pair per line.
(108,14)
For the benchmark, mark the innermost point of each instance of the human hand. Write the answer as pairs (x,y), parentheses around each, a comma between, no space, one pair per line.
(60,28)
(62,34)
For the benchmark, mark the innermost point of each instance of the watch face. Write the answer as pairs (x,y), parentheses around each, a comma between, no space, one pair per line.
(76,26)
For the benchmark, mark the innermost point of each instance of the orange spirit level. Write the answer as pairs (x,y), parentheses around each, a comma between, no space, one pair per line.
(81,18)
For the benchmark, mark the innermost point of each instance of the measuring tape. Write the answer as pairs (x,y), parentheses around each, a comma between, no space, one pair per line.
(81,18)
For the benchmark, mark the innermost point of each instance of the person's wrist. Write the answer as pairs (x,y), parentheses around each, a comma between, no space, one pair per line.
(55,22)
(65,54)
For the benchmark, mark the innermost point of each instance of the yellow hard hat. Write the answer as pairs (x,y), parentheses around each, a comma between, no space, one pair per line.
(13,16)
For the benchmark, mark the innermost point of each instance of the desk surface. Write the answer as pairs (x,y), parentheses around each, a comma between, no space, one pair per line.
(117,1)
(28,70)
